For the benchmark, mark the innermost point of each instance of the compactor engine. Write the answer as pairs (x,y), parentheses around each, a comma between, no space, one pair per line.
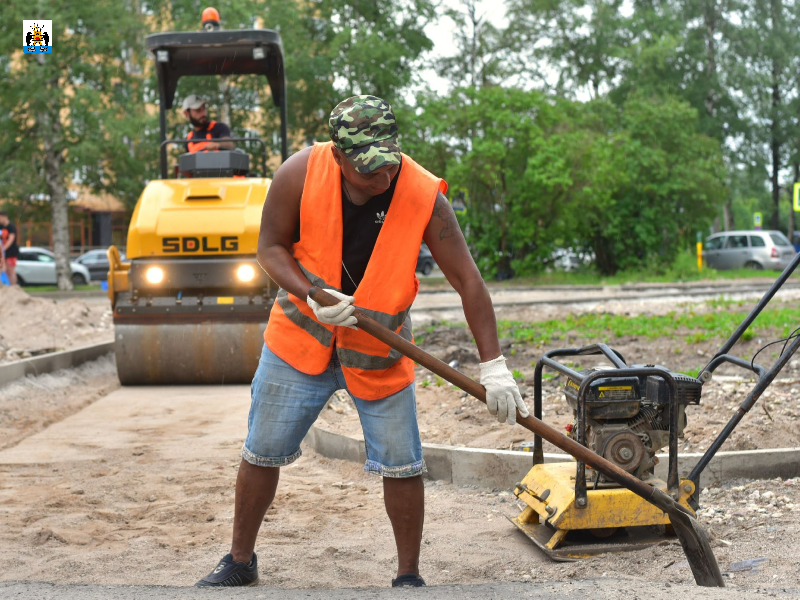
(627,418)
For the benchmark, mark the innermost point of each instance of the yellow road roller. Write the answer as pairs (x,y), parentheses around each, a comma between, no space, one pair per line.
(191,302)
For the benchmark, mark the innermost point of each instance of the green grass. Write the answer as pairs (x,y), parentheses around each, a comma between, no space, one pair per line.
(623,277)
(54,288)
(692,372)
(691,327)
(673,274)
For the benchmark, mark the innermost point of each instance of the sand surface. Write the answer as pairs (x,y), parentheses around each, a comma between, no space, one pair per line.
(30,326)
(137,487)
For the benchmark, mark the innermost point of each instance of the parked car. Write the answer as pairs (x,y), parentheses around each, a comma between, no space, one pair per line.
(425,262)
(567,259)
(749,249)
(97,263)
(37,266)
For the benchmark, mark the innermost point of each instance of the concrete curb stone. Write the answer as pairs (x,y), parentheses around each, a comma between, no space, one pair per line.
(53,361)
(502,469)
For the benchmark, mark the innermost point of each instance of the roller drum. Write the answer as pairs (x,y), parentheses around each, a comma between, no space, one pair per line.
(183,354)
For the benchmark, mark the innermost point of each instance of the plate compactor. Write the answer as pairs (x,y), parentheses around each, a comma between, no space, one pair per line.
(626,414)
(191,304)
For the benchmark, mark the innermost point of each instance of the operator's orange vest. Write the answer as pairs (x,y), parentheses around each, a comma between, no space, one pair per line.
(371,369)
(200,146)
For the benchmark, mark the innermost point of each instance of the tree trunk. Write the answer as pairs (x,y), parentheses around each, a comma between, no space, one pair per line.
(727,216)
(50,128)
(710,19)
(775,147)
(774,133)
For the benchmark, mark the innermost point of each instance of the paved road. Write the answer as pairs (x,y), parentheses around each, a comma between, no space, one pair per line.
(737,290)
(598,589)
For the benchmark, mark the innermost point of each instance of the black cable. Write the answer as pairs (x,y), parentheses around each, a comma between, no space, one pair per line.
(791,335)
(765,346)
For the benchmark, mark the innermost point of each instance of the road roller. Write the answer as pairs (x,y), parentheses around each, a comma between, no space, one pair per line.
(190,303)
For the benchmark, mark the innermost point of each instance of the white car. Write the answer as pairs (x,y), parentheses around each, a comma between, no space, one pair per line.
(37,266)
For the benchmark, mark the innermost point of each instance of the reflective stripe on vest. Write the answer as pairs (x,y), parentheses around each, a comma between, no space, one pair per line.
(347,357)
(371,369)
(200,146)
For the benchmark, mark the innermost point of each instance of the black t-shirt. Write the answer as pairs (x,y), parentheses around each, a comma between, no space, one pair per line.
(6,231)
(362,224)
(219,130)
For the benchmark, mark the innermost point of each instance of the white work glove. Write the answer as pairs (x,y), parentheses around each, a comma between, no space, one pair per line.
(340,314)
(502,394)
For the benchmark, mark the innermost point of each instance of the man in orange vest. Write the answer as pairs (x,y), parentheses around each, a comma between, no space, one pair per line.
(203,130)
(349,216)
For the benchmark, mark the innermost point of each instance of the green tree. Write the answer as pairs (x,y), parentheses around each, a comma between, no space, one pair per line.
(581,41)
(765,51)
(75,113)
(482,52)
(669,185)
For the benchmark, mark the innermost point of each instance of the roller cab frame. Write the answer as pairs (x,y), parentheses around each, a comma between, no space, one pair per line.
(191,304)
(570,512)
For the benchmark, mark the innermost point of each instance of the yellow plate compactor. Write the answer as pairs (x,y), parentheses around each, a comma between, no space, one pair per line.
(191,302)
(626,415)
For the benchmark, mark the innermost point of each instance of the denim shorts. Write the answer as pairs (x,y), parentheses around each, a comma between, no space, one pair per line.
(285,403)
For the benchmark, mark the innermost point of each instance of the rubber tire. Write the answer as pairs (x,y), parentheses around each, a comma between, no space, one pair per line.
(754,265)
(78,279)
(427,268)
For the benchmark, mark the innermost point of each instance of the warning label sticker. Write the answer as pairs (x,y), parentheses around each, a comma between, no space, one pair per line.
(616,392)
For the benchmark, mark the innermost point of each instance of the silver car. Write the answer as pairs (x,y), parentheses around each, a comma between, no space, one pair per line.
(37,266)
(748,249)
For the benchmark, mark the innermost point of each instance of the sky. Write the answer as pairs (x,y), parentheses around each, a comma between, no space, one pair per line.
(442,31)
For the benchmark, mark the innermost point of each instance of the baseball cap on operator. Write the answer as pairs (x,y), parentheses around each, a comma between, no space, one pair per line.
(365,130)
(194,102)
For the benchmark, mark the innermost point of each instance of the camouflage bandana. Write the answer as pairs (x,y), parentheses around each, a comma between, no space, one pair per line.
(365,130)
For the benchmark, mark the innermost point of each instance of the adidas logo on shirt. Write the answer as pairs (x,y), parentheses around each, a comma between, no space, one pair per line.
(381,217)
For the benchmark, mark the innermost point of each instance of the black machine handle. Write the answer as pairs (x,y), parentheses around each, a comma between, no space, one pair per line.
(765,376)
(765,299)
(163,149)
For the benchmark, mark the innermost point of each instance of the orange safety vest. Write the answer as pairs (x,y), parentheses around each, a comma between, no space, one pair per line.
(371,369)
(200,146)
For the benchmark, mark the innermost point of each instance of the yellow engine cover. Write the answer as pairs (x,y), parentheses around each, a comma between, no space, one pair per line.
(197,217)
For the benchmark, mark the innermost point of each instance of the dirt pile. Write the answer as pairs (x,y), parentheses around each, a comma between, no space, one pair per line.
(32,326)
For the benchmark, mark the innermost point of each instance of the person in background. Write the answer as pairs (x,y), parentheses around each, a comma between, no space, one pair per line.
(8,238)
(204,132)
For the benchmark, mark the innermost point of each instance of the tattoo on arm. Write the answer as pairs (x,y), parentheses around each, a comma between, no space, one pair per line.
(444,212)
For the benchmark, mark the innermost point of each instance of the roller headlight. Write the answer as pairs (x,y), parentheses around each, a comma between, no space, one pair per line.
(154,275)
(246,273)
